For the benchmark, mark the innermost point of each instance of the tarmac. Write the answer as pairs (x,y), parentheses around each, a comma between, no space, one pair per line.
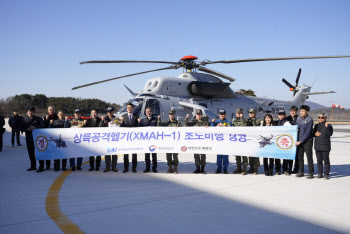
(98,202)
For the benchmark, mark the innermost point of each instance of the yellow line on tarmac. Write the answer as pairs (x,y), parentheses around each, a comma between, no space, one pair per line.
(53,206)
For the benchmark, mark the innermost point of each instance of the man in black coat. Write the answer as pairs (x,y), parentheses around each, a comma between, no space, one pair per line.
(129,120)
(15,123)
(287,164)
(93,122)
(106,122)
(322,133)
(149,121)
(2,130)
(31,122)
(292,118)
(47,119)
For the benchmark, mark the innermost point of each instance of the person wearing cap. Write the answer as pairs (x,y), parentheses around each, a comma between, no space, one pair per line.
(305,141)
(254,162)
(322,134)
(172,158)
(15,122)
(59,123)
(149,121)
(31,122)
(129,120)
(105,122)
(240,121)
(221,160)
(292,118)
(199,159)
(93,122)
(2,130)
(76,122)
(287,163)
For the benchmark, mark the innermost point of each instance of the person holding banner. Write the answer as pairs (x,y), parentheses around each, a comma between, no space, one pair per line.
(59,123)
(149,121)
(240,121)
(110,121)
(200,159)
(51,116)
(305,142)
(31,122)
(292,118)
(254,162)
(221,160)
(172,158)
(322,133)
(94,121)
(77,122)
(268,162)
(129,120)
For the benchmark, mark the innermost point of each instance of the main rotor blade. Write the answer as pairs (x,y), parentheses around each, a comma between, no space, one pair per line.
(287,83)
(102,81)
(207,70)
(274,59)
(127,61)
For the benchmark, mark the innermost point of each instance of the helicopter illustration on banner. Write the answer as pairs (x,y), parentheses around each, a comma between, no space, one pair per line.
(204,90)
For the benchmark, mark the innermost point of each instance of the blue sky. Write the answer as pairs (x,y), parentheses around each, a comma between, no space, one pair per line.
(42,43)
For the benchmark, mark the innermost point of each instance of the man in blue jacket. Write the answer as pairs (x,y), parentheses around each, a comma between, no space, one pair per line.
(305,142)
(221,159)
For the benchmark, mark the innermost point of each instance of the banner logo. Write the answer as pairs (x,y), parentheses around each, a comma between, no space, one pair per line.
(285,142)
(152,148)
(41,143)
(183,148)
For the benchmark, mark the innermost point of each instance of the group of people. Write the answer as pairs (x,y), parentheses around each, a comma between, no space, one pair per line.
(321,132)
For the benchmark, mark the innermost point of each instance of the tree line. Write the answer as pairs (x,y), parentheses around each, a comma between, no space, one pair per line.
(41,102)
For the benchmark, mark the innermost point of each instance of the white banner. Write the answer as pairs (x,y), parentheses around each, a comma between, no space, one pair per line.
(270,142)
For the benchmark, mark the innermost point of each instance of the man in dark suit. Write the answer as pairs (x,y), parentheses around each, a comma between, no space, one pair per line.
(129,120)
(93,122)
(15,123)
(149,121)
(2,130)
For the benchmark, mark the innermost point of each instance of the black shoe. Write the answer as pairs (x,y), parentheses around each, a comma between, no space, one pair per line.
(320,176)
(155,170)
(31,169)
(300,174)
(73,168)
(267,173)
(326,177)
(97,168)
(218,171)
(202,170)
(225,172)
(134,170)
(64,169)
(19,144)
(115,169)
(57,169)
(91,169)
(125,170)
(106,170)
(198,170)
(251,170)
(47,168)
(310,176)
(146,170)
(40,170)
(79,168)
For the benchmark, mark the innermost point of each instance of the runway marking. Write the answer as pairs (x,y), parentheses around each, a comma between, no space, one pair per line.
(52,206)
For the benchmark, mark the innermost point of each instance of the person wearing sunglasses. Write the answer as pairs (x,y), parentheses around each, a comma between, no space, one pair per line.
(322,133)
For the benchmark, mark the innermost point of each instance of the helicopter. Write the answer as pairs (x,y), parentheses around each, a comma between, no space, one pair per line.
(204,90)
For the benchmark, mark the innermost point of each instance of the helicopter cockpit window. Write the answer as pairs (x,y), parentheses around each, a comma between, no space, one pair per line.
(154,104)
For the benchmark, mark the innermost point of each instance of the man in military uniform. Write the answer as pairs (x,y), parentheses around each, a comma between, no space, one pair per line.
(172,158)
(200,159)
(149,121)
(130,120)
(240,121)
(30,123)
(105,120)
(221,160)
(254,162)
(15,123)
